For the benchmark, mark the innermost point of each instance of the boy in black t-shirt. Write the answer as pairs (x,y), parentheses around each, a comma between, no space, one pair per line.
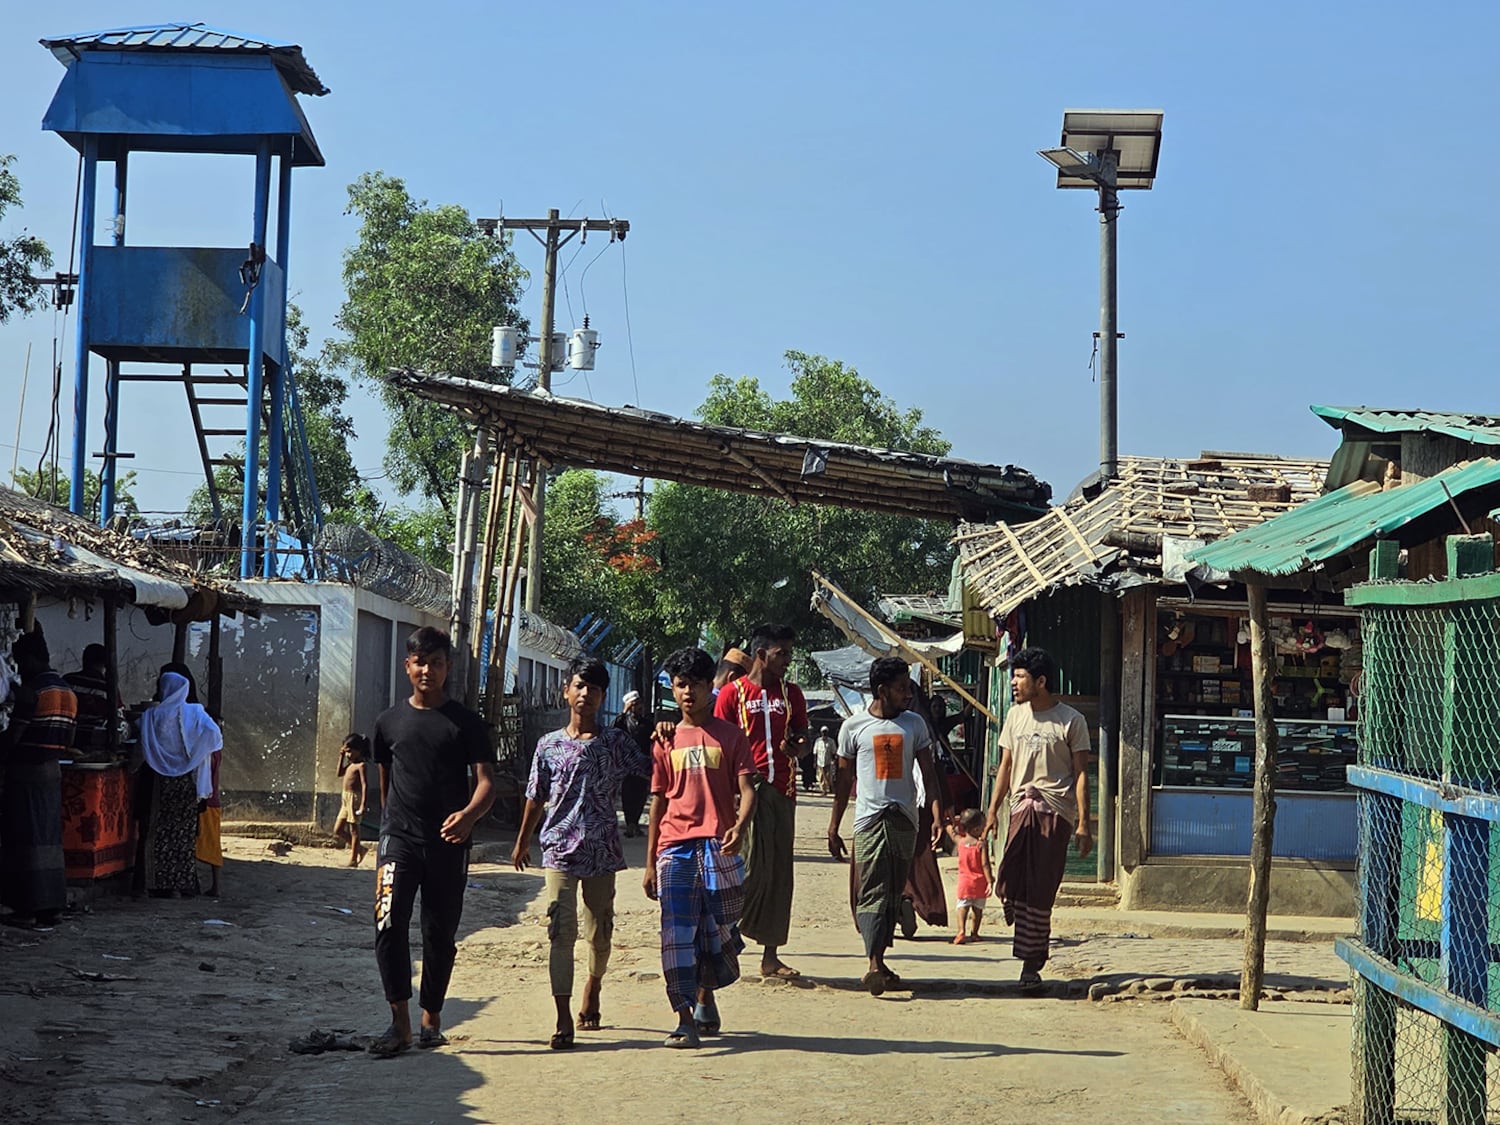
(425,747)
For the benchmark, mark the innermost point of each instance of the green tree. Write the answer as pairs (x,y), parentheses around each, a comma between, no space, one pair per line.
(20,255)
(729,561)
(40,486)
(592,563)
(321,393)
(423,289)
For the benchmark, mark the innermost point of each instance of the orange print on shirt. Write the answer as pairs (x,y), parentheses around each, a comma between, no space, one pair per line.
(889,764)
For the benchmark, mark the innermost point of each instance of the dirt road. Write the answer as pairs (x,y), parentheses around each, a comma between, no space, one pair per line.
(165,1011)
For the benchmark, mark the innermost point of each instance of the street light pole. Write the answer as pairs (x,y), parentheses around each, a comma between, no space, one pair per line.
(544,383)
(1109,398)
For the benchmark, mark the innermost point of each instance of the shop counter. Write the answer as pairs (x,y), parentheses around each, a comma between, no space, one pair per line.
(97,829)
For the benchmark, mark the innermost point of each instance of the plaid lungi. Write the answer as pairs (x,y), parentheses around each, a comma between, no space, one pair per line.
(701,891)
(882,860)
(1031,871)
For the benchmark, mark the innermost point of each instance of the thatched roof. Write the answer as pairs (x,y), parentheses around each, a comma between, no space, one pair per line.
(46,550)
(635,442)
(1119,534)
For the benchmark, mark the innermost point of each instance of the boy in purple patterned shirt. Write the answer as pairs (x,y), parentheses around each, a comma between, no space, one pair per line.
(573,790)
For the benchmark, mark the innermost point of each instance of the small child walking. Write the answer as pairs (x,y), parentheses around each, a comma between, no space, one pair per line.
(355,798)
(976,873)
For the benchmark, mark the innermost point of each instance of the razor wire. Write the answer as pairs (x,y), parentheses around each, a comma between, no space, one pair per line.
(353,555)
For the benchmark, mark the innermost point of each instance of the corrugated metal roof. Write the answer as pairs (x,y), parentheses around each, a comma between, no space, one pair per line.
(190,37)
(1481,429)
(1333,525)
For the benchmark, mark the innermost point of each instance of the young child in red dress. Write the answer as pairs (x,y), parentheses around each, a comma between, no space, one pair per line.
(976,874)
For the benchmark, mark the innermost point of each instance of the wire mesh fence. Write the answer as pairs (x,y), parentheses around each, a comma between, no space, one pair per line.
(1430,692)
(1429,865)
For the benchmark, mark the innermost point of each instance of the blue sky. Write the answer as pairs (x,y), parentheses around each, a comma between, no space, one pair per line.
(860,180)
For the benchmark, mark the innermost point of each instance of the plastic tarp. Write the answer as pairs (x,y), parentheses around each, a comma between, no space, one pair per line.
(871,637)
(149,589)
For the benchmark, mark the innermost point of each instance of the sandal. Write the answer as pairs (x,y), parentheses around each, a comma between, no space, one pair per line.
(561,1041)
(389,1044)
(706,1019)
(891,979)
(588,1021)
(780,972)
(315,1042)
(874,981)
(686,1035)
(430,1037)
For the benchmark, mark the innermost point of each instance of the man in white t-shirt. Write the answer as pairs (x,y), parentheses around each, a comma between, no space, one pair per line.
(1044,772)
(884,746)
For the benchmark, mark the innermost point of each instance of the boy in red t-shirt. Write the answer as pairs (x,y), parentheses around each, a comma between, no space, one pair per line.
(692,844)
(772,713)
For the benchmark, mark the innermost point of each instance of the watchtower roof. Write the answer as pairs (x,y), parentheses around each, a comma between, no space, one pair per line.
(190,37)
(181,87)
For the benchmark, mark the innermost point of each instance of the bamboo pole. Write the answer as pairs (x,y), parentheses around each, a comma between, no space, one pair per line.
(1263,818)
(486,569)
(505,596)
(911,654)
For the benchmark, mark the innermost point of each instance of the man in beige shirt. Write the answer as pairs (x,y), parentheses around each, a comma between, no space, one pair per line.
(1044,772)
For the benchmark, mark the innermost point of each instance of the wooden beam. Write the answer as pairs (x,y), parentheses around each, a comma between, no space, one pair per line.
(1135,737)
(771,482)
(1263,818)
(911,654)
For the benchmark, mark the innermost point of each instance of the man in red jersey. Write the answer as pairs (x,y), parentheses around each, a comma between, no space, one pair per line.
(772,712)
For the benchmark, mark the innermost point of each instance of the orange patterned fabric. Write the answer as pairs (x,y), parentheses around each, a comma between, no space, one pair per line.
(96,822)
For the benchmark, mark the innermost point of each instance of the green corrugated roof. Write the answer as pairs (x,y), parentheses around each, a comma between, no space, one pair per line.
(1339,521)
(1479,428)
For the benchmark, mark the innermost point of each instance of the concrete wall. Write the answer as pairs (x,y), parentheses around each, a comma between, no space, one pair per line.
(1221,885)
(361,647)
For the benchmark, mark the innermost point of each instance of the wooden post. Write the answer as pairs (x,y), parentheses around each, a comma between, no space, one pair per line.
(111,673)
(215,703)
(1134,739)
(1263,818)
(486,574)
(28,612)
(505,605)
(179,642)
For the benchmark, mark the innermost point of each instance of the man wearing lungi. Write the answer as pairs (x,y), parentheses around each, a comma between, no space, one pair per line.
(692,844)
(772,713)
(1044,771)
(884,747)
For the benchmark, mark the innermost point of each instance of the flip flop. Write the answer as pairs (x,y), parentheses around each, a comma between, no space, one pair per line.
(685,1036)
(561,1041)
(706,1019)
(315,1042)
(588,1021)
(389,1044)
(874,981)
(430,1037)
(781,972)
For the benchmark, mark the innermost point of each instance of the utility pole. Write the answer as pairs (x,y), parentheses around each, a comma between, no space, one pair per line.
(553,233)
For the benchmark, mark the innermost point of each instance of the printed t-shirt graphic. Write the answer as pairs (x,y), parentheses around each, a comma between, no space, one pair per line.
(699,774)
(763,715)
(884,752)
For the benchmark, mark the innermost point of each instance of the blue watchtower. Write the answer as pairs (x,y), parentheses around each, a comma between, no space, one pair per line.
(189,88)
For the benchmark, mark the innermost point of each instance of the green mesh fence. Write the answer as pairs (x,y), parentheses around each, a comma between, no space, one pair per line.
(1429,864)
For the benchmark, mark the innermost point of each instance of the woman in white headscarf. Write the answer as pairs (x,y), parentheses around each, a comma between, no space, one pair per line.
(178,740)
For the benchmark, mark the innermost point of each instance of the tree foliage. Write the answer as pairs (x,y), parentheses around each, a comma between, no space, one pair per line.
(423,289)
(40,485)
(729,561)
(21,255)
